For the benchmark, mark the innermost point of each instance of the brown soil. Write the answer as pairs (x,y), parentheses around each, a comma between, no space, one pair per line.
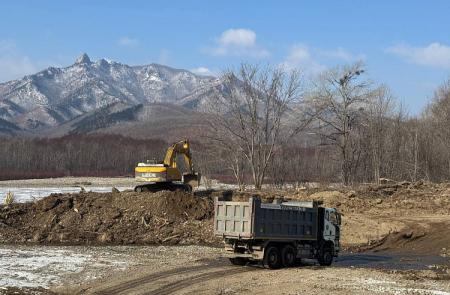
(402,216)
(110,218)
(433,238)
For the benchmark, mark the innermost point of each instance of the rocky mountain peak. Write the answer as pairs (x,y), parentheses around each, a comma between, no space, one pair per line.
(83,59)
(55,96)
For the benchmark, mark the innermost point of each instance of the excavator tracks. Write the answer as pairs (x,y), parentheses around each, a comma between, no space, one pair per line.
(163,186)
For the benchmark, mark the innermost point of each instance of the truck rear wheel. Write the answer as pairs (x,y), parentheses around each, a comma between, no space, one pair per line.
(238,261)
(288,256)
(272,258)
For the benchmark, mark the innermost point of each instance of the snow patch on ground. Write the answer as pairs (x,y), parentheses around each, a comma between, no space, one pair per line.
(392,287)
(27,194)
(45,266)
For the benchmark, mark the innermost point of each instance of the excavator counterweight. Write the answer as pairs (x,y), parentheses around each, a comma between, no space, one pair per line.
(165,175)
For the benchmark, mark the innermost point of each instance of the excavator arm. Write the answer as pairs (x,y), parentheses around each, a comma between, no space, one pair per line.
(183,148)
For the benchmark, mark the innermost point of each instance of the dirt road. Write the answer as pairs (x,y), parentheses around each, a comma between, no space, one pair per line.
(164,282)
(199,275)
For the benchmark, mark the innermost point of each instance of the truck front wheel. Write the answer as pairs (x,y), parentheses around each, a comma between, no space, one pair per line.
(272,258)
(288,256)
(326,257)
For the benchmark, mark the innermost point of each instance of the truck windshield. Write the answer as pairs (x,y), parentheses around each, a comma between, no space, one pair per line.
(334,218)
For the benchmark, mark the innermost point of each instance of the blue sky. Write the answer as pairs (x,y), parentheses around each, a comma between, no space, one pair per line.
(404,44)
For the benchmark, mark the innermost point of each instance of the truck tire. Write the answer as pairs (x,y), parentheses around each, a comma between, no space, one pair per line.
(238,261)
(288,256)
(326,257)
(272,258)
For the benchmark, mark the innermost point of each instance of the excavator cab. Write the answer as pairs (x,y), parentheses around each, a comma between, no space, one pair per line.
(165,175)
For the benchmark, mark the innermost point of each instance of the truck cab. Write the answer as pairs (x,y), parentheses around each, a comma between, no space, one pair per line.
(331,230)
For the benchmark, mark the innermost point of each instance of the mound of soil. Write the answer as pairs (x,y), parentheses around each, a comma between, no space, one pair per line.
(110,218)
(401,198)
(433,239)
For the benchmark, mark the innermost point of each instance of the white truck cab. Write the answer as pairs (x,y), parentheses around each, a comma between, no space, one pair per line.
(331,229)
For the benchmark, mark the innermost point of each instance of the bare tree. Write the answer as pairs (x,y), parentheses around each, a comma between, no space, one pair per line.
(339,100)
(251,116)
(380,108)
(438,116)
(234,159)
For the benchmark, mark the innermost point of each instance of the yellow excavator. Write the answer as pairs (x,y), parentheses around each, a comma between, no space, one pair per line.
(165,175)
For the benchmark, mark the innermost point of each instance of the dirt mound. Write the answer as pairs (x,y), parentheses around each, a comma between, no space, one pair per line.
(384,200)
(372,216)
(110,218)
(430,239)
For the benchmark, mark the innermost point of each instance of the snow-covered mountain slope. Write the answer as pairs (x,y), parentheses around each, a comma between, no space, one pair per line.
(55,96)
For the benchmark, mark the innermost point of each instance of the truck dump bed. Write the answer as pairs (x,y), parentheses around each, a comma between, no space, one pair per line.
(256,220)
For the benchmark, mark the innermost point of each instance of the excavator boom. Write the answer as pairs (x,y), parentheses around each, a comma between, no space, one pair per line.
(183,148)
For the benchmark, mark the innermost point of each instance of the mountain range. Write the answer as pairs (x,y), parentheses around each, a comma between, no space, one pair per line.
(105,96)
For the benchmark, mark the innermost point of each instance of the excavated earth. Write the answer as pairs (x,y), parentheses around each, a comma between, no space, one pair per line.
(410,221)
(109,218)
(401,216)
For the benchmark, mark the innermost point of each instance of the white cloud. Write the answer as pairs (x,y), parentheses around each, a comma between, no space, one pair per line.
(434,55)
(238,37)
(203,71)
(300,57)
(128,42)
(13,64)
(316,60)
(238,42)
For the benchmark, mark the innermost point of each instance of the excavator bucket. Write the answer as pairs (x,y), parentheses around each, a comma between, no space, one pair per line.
(192,179)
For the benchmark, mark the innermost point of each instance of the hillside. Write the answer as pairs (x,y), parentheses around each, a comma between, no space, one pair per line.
(150,121)
(102,96)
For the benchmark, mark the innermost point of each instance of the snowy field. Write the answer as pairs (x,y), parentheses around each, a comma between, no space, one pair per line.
(70,266)
(45,266)
(26,194)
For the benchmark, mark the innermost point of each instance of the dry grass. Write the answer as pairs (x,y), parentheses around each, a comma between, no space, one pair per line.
(9,199)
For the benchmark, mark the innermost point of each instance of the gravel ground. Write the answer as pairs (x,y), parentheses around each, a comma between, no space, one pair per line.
(201,270)
(47,267)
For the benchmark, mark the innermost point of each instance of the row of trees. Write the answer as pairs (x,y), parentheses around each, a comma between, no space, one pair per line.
(75,155)
(342,127)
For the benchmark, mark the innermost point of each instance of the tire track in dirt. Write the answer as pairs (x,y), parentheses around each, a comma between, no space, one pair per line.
(193,280)
(151,277)
(175,285)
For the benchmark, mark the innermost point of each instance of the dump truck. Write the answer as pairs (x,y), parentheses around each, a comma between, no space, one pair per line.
(277,234)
